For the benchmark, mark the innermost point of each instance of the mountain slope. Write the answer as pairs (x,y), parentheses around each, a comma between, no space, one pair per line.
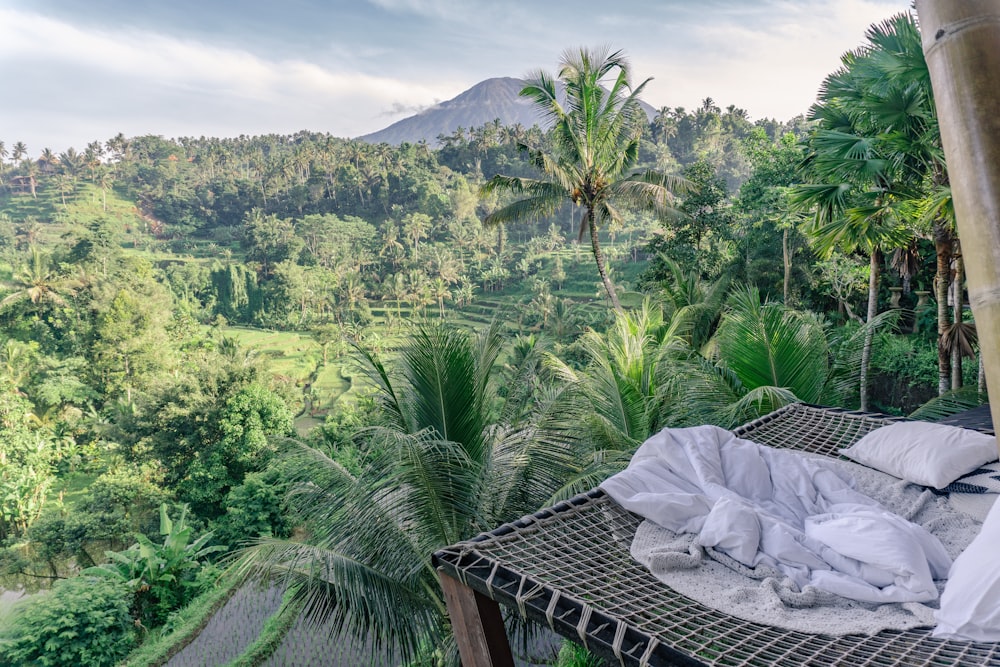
(481,104)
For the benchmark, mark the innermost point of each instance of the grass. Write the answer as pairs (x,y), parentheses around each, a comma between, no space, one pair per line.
(83,205)
(294,356)
(71,488)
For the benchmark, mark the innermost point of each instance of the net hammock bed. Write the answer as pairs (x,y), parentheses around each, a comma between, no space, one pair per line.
(568,567)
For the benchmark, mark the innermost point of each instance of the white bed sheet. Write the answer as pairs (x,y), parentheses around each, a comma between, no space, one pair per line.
(772,508)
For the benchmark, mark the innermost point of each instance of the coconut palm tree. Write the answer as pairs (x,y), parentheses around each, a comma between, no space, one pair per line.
(39,283)
(700,302)
(765,355)
(30,170)
(595,145)
(449,459)
(19,151)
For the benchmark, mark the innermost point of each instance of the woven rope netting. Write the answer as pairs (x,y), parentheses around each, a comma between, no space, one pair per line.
(569,567)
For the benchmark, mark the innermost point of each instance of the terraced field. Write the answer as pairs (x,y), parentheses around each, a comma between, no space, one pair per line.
(247,630)
(231,630)
(295,357)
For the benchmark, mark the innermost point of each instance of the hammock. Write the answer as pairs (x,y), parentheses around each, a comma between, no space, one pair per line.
(569,567)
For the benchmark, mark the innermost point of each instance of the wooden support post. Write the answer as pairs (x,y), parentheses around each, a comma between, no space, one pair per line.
(478,626)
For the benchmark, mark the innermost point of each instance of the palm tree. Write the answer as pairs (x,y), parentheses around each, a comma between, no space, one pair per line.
(449,459)
(764,355)
(30,169)
(439,288)
(595,146)
(869,229)
(699,301)
(104,179)
(895,95)
(47,161)
(864,162)
(38,283)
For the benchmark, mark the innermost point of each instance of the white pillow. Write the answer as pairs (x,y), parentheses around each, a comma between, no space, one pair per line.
(969,605)
(924,453)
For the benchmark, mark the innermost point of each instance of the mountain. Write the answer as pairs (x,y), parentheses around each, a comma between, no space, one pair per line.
(481,104)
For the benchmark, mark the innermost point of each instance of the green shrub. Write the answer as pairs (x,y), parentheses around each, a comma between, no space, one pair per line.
(904,372)
(253,509)
(125,499)
(82,621)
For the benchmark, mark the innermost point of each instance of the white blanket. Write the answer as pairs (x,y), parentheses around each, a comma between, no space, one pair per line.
(771,508)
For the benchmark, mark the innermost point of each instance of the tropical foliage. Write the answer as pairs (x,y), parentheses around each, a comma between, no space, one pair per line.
(83,621)
(448,458)
(162,577)
(877,159)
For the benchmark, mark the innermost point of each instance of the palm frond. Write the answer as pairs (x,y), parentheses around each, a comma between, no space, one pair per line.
(847,346)
(948,404)
(758,402)
(770,345)
(529,208)
(354,598)
(961,338)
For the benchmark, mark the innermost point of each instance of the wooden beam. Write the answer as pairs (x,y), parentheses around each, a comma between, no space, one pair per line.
(961,40)
(477,624)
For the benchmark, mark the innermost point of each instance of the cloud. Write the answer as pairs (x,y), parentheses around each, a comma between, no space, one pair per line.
(771,61)
(399,109)
(345,67)
(438,9)
(140,74)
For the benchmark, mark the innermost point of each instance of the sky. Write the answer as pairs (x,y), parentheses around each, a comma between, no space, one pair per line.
(74,72)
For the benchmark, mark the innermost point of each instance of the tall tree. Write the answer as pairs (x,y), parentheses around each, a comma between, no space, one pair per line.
(861,166)
(595,145)
(765,209)
(39,283)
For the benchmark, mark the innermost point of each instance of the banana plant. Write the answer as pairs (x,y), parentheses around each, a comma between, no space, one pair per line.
(163,576)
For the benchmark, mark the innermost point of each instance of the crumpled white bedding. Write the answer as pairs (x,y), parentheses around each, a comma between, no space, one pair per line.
(771,508)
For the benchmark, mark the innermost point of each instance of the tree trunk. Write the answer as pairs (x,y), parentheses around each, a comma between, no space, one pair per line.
(981,387)
(786,258)
(959,40)
(599,258)
(866,351)
(942,247)
(956,351)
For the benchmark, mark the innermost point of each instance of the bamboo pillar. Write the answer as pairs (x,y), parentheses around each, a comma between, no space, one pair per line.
(961,40)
